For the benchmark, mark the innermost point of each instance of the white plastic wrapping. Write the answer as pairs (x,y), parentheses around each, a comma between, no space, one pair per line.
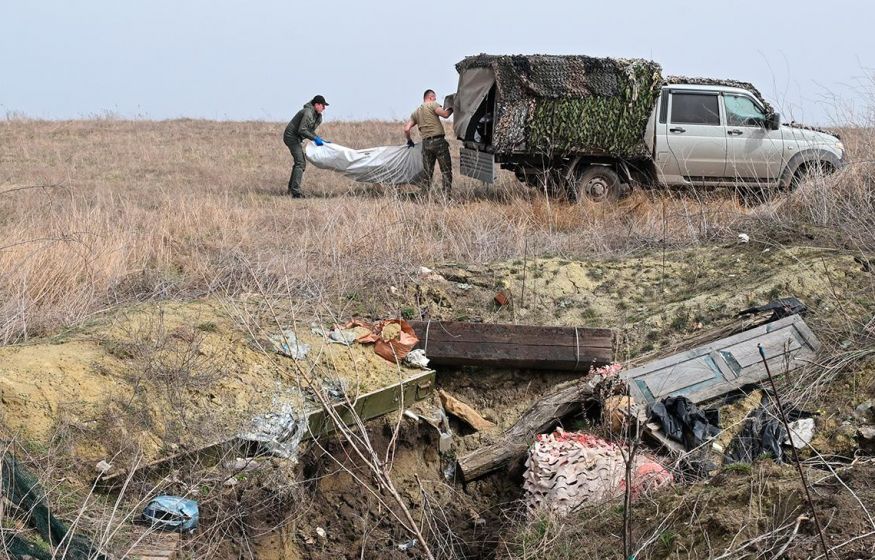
(391,165)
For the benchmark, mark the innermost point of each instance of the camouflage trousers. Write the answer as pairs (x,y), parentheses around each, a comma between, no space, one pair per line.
(436,149)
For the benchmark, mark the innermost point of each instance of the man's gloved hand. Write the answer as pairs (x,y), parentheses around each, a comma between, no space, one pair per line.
(410,143)
(319,141)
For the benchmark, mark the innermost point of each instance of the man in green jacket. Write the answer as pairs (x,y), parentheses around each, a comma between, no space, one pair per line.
(303,127)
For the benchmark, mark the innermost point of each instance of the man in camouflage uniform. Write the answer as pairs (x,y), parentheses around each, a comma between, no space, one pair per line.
(303,126)
(434,144)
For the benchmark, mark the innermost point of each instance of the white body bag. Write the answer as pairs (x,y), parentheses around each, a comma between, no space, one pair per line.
(390,165)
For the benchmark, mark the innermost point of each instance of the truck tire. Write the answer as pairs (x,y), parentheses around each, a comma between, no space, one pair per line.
(598,183)
(806,164)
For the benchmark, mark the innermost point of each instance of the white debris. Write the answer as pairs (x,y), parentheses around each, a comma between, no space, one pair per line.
(802,431)
(240,464)
(280,432)
(321,532)
(407,545)
(287,344)
(425,271)
(103,467)
(744,238)
(343,336)
(417,358)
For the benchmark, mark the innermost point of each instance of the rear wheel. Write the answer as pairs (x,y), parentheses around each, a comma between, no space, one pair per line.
(597,183)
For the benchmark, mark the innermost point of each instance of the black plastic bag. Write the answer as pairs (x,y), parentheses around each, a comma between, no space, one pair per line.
(682,421)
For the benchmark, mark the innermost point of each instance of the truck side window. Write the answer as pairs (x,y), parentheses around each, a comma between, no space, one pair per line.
(742,111)
(695,108)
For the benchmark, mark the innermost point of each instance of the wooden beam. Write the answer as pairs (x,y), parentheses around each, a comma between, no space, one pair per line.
(516,346)
(540,417)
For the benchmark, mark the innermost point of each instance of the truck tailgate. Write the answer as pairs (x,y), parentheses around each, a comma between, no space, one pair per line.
(477,165)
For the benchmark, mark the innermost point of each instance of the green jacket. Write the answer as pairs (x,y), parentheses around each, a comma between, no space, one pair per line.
(303,125)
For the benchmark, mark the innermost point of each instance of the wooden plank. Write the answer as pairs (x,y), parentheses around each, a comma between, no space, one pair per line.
(514,443)
(376,403)
(723,365)
(516,346)
(509,334)
(154,545)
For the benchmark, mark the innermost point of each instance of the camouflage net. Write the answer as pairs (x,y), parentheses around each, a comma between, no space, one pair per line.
(566,470)
(556,104)
(25,493)
(726,83)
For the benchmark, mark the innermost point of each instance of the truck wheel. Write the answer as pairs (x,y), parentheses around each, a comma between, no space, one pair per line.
(599,184)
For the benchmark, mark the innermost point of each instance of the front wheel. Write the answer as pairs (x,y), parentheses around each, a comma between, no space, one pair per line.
(597,183)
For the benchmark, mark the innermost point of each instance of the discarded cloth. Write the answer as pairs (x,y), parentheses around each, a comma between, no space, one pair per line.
(286,343)
(566,470)
(682,421)
(391,165)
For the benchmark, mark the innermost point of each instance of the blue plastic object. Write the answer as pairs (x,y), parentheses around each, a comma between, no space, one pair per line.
(319,141)
(172,513)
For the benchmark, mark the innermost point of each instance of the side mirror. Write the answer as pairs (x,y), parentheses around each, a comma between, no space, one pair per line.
(773,121)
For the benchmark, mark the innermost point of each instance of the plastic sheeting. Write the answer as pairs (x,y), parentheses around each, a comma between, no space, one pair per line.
(390,165)
(683,422)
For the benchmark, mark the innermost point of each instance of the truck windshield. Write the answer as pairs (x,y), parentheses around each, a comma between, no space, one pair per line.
(742,111)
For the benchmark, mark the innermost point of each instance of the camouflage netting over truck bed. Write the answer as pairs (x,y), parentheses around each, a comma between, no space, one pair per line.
(556,104)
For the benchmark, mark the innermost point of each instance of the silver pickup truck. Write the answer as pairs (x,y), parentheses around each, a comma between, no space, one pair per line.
(534,116)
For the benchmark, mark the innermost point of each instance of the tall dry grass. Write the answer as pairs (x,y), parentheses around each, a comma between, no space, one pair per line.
(103,212)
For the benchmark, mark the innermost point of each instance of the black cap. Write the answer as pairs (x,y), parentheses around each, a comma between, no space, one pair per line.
(319,99)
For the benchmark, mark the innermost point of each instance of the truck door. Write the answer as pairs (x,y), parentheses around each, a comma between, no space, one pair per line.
(695,136)
(753,152)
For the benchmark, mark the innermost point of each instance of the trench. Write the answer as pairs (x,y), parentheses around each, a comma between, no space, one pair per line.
(461,520)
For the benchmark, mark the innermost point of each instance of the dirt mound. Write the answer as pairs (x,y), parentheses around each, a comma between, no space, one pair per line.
(165,376)
(653,298)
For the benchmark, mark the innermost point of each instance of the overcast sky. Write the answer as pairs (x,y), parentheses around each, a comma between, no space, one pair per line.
(224,59)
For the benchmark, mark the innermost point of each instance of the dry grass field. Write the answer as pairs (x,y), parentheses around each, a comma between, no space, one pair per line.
(99,215)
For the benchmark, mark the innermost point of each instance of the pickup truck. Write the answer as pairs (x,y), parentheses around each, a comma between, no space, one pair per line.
(595,127)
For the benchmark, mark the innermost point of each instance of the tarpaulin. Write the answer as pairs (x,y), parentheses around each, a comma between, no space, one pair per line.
(389,165)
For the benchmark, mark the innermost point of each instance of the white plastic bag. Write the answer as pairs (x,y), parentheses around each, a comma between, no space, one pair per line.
(390,165)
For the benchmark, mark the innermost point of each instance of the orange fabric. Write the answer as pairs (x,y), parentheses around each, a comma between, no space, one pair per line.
(393,350)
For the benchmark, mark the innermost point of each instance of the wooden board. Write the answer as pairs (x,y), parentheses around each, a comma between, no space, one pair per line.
(154,545)
(376,403)
(367,406)
(540,417)
(517,346)
(721,366)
